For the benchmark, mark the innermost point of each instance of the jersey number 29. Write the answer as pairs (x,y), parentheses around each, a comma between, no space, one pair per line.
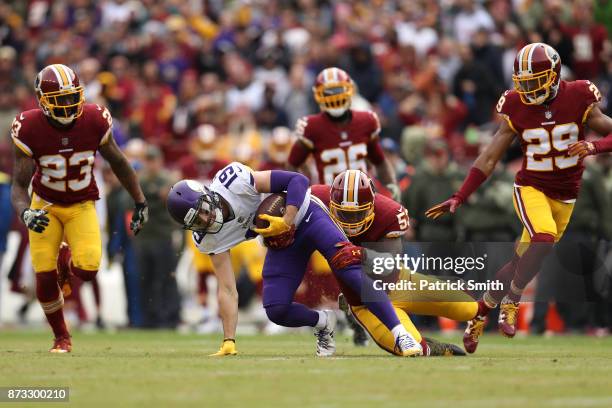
(541,142)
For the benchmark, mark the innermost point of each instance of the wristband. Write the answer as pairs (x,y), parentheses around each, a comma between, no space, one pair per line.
(603,145)
(472,181)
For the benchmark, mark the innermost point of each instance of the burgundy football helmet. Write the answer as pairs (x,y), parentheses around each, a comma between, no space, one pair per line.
(352,201)
(537,71)
(333,91)
(59,93)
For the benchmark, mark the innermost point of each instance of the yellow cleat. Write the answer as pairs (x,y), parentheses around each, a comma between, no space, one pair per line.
(228,348)
(508,316)
(473,331)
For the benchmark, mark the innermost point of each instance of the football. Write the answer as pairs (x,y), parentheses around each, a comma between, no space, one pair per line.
(273,205)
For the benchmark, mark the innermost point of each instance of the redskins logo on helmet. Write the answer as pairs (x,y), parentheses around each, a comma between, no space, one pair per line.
(352,202)
(537,71)
(60,96)
(333,91)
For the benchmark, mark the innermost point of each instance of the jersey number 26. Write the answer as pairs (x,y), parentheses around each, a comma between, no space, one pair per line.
(338,160)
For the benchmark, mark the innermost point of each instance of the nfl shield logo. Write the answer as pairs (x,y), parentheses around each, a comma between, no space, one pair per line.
(343,135)
(548,114)
(64,141)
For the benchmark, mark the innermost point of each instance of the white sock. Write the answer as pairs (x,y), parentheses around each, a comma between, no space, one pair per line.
(399,330)
(322,320)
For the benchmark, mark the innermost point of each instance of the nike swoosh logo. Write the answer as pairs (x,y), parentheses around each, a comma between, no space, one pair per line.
(21,117)
(308,218)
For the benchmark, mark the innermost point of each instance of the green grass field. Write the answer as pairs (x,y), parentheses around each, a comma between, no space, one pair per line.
(154,369)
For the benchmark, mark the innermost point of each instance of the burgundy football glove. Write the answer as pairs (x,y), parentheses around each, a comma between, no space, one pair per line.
(581,149)
(449,205)
(473,180)
(347,255)
(282,240)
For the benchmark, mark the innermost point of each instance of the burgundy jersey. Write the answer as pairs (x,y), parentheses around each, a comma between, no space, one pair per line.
(545,132)
(64,157)
(337,148)
(390,221)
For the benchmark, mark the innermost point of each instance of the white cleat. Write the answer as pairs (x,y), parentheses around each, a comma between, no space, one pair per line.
(326,345)
(407,346)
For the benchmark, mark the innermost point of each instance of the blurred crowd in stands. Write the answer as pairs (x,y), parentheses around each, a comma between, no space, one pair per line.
(193,84)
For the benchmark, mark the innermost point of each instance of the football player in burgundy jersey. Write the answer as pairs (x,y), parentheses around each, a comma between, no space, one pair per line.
(55,147)
(338,137)
(375,223)
(548,116)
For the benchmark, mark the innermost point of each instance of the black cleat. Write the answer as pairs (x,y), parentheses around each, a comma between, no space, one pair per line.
(360,336)
(439,349)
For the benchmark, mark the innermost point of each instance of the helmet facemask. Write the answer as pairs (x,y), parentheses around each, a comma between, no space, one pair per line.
(535,89)
(206,216)
(354,219)
(334,98)
(62,106)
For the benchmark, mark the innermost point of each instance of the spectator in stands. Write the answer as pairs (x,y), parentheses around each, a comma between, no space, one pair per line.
(470,18)
(588,39)
(154,106)
(476,87)
(365,72)
(299,102)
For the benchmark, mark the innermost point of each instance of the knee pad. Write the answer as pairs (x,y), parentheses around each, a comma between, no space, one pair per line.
(83,274)
(277,313)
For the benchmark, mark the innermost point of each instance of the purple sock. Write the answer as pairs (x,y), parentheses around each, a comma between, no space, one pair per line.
(376,301)
(293,315)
